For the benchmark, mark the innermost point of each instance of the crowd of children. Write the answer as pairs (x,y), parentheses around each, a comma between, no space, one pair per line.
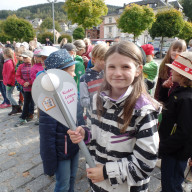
(116,112)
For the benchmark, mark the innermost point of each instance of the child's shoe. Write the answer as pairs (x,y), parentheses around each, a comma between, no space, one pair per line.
(20,122)
(4,105)
(29,117)
(37,122)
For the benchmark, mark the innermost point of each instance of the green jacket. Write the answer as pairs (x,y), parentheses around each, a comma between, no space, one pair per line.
(150,70)
(79,70)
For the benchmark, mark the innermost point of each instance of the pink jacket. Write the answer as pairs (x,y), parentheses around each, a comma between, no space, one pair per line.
(35,69)
(23,75)
(8,73)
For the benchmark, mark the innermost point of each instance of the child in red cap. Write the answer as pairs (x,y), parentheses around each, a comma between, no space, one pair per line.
(150,68)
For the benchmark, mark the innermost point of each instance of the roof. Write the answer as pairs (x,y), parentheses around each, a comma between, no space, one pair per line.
(176,4)
(146,2)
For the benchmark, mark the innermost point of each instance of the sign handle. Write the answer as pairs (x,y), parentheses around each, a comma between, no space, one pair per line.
(68,118)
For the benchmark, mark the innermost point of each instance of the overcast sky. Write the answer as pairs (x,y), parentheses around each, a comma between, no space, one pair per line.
(16,4)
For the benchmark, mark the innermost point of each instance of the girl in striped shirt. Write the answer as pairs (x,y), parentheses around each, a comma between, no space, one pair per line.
(123,138)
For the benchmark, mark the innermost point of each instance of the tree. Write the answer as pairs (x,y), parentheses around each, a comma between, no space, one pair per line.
(42,36)
(186,32)
(168,23)
(18,29)
(79,33)
(135,19)
(187,8)
(4,37)
(87,13)
(48,24)
(69,38)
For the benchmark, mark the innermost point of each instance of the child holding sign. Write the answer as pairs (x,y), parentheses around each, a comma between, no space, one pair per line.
(123,133)
(58,153)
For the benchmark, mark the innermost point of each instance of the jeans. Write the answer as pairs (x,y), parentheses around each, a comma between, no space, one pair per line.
(9,94)
(80,110)
(66,173)
(3,92)
(27,100)
(172,174)
(31,104)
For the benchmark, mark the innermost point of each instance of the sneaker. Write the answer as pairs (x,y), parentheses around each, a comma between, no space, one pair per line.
(29,117)
(5,105)
(37,122)
(20,122)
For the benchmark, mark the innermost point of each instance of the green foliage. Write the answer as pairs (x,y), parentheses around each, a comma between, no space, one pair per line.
(43,11)
(69,38)
(18,29)
(42,36)
(135,19)
(187,8)
(48,24)
(87,13)
(168,24)
(186,32)
(79,33)
(4,37)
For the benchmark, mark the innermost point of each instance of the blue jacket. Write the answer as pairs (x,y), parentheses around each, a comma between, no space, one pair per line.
(55,144)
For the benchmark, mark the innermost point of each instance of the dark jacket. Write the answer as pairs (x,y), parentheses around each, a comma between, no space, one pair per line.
(176,127)
(1,66)
(55,144)
(48,43)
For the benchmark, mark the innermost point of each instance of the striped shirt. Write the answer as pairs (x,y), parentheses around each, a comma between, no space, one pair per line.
(23,75)
(131,156)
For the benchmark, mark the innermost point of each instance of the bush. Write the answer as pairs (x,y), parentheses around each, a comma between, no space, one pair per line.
(79,33)
(4,38)
(69,38)
(41,37)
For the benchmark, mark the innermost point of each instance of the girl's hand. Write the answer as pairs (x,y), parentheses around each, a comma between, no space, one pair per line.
(95,174)
(85,59)
(78,135)
(26,84)
(168,83)
(190,162)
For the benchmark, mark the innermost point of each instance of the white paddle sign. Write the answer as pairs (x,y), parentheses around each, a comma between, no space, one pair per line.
(55,93)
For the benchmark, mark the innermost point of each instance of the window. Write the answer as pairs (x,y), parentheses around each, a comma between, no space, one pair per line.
(110,19)
(110,29)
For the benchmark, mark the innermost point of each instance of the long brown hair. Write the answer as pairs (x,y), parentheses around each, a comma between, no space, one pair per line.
(10,54)
(163,69)
(130,50)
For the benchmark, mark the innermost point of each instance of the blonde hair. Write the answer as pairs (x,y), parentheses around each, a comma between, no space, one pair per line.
(63,42)
(190,43)
(9,53)
(20,50)
(163,69)
(133,52)
(99,51)
(87,41)
(79,44)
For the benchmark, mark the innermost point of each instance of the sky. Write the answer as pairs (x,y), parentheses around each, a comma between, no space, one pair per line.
(16,4)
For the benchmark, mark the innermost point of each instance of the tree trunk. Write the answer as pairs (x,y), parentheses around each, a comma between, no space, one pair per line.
(161,51)
(134,38)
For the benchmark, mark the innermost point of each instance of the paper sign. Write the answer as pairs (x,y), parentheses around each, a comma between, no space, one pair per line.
(48,103)
(69,96)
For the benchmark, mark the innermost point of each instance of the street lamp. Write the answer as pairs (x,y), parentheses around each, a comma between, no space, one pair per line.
(53,1)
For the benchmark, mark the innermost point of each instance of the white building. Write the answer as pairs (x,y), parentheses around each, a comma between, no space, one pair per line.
(110,29)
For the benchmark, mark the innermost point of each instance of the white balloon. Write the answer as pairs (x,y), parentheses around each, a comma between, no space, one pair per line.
(50,82)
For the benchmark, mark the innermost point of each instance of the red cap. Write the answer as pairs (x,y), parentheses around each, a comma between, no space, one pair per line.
(148,48)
